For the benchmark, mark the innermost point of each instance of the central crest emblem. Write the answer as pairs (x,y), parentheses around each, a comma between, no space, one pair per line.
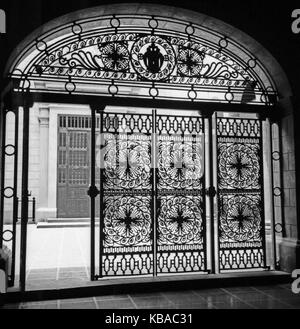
(153,58)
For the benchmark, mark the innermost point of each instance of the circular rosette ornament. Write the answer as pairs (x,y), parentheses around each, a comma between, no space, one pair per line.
(180,220)
(239,166)
(115,56)
(180,166)
(127,221)
(128,165)
(190,62)
(153,58)
(241,220)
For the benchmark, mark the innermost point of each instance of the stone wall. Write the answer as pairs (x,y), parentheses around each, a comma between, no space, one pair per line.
(289,248)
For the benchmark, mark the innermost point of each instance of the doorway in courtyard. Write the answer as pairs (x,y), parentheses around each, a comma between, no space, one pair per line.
(73,166)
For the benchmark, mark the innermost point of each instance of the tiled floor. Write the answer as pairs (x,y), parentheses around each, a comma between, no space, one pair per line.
(259,297)
(56,247)
(60,258)
(56,257)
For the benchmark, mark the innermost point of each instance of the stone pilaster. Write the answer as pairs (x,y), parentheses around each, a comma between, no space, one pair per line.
(43,212)
(290,245)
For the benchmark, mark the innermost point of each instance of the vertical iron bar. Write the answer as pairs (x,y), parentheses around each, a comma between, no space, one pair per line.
(272,191)
(2,174)
(33,209)
(24,207)
(93,187)
(203,195)
(281,178)
(262,192)
(15,200)
(154,192)
(101,215)
(211,198)
(17,206)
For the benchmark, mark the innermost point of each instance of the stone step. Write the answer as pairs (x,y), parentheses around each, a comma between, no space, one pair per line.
(68,220)
(43,225)
(107,286)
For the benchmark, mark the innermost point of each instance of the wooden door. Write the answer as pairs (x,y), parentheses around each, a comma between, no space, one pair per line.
(73,167)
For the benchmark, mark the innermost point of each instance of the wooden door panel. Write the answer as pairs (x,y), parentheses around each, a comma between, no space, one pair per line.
(73,167)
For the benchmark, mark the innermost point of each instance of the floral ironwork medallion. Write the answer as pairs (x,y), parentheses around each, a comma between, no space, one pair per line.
(127,221)
(180,220)
(239,166)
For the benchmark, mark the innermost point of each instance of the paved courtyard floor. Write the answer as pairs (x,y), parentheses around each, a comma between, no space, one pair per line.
(257,297)
(59,257)
(55,256)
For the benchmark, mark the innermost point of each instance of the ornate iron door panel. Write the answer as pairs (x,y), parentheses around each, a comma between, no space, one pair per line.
(153,224)
(127,188)
(240,193)
(181,242)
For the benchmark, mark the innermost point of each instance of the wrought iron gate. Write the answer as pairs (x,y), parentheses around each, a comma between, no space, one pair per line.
(151,195)
(241,225)
(181,240)
(126,195)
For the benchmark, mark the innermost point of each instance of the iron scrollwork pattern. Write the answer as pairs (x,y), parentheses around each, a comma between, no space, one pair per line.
(127,236)
(131,191)
(240,185)
(146,57)
(136,53)
(181,244)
